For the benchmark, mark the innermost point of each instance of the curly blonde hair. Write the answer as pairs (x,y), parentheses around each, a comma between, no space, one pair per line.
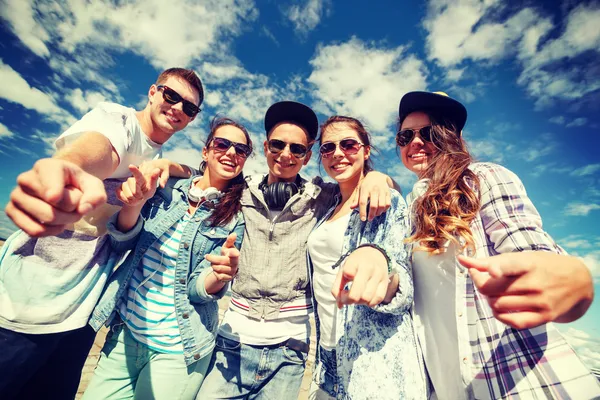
(444,213)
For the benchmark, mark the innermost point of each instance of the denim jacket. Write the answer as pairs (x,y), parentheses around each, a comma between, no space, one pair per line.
(196,310)
(377,354)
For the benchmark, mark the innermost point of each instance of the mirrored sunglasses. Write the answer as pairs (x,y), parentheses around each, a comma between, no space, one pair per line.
(406,136)
(348,146)
(222,145)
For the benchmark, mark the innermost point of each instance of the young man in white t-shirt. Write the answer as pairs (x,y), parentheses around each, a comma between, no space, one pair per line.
(54,269)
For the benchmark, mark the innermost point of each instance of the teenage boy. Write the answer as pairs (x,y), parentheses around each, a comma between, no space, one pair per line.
(50,284)
(262,344)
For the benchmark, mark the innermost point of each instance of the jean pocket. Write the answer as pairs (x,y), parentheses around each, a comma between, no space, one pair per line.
(227,344)
(294,356)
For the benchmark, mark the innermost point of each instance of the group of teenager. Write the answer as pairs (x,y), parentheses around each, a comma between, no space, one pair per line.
(450,294)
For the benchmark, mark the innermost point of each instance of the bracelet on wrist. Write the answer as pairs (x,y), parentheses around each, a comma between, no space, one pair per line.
(387,258)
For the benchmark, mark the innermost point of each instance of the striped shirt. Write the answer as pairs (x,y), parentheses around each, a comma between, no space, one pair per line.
(497,361)
(149,309)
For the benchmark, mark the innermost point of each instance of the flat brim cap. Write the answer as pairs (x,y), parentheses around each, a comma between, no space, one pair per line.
(439,105)
(293,112)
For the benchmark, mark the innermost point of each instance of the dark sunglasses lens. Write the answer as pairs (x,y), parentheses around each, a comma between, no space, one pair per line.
(242,150)
(190,109)
(221,144)
(404,137)
(350,146)
(425,133)
(327,148)
(276,146)
(298,150)
(171,96)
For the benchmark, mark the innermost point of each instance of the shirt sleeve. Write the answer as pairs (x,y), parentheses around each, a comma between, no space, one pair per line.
(106,119)
(510,220)
(196,290)
(388,231)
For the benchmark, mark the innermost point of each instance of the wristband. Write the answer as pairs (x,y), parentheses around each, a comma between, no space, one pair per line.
(387,258)
(345,255)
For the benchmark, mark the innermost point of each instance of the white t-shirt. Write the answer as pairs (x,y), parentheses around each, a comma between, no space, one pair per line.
(325,246)
(121,126)
(435,320)
(260,332)
(52,284)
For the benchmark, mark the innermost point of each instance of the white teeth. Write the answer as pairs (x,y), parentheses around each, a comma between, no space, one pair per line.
(228,163)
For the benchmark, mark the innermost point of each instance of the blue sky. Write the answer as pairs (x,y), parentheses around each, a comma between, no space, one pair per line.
(528,72)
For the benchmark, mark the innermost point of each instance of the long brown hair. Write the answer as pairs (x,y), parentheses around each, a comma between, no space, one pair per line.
(450,202)
(229,204)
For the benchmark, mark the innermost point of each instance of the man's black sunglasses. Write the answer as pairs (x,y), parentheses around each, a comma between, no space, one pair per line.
(172,97)
(298,150)
(222,145)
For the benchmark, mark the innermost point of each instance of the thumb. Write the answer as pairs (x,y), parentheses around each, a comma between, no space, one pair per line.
(154,178)
(354,199)
(164,177)
(230,241)
(92,189)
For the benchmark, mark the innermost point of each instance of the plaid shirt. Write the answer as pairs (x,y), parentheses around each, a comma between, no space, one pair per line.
(498,361)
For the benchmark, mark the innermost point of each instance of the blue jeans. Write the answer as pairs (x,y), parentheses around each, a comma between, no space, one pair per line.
(241,371)
(43,366)
(327,379)
(129,369)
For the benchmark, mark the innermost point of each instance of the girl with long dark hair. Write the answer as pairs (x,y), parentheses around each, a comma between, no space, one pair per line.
(163,296)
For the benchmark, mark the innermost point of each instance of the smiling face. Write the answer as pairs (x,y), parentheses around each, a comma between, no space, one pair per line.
(222,166)
(284,166)
(170,118)
(418,154)
(342,166)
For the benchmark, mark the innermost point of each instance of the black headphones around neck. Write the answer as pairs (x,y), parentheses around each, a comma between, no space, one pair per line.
(277,194)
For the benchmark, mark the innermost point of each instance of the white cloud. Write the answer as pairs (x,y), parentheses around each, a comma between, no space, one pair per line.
(86,34)
(456,32)
(455,74)
(306,18)
(403,177)
(558,120)
(545,78)
(17,90)
(267,32)
(576,242)
(464,30)
(364,81)
(486,149)
(577,122)
(580,209)
(590,169)
(84,102)
(585,345)
(19,15)
(4,131)
(223,72)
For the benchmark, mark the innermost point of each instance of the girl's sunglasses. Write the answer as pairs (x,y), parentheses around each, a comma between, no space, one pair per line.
(348,146)
(222,145)
(298,150)
(172,97)
(406,136)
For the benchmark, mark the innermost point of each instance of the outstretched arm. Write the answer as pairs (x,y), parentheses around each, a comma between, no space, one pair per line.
(531,288)
(58,191)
